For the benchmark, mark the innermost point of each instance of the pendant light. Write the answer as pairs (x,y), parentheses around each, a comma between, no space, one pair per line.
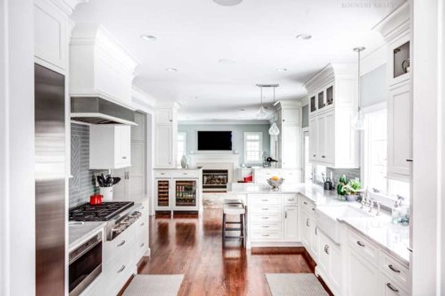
(358,121)
(274,130)
(261,112)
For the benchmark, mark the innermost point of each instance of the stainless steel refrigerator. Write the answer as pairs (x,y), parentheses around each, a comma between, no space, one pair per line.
(50,181)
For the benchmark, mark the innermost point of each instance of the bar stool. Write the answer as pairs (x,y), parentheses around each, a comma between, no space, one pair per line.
(234,209)
(232,201)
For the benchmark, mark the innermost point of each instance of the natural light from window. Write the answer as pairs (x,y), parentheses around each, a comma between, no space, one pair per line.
(253,144)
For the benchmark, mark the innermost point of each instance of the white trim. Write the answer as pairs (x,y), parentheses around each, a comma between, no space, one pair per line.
(119,120)
(374,59)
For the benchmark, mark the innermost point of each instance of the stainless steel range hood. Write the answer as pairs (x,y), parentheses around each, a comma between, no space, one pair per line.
(96,110)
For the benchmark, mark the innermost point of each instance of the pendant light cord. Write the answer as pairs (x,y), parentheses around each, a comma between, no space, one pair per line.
(359,84)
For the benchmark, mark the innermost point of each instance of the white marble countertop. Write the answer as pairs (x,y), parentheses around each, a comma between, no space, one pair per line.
(81,231)
(394,239)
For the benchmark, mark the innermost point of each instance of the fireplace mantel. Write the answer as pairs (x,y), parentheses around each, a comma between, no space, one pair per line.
(214,161)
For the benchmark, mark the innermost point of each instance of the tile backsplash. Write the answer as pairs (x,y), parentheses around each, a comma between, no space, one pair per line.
(81,184)
(337,173)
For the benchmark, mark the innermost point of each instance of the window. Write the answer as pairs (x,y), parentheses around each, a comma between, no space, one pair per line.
(182,146)
(253,146)
(375,162)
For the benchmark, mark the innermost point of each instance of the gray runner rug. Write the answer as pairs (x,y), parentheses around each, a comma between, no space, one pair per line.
(295,284)
(154,285)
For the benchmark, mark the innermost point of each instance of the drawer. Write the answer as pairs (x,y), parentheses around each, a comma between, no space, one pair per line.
(391,288)
(162,174)
(185,174)
(119,245)
(264,199)
(307,205)
(267,226)
(264,209)
(290,199)
(363,246)
(395,270)
(265,218)
(265,235)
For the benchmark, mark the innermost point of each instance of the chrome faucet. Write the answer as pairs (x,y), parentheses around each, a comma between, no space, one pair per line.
(370,204)
(378,208)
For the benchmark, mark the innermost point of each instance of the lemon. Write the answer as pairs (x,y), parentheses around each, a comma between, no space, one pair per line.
(275,178)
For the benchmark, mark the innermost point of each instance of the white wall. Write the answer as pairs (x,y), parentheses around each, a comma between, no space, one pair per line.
(237,135)
(17,253)
(428,151)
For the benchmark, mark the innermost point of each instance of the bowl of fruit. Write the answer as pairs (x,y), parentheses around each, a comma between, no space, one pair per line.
(275,182)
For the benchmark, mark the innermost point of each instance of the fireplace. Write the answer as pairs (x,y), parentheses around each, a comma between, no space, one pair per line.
(215,180)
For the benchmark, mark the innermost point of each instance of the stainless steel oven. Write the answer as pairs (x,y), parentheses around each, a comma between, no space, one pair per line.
(85,264)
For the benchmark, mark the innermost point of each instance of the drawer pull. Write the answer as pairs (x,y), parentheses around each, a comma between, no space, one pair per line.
(291,199)
(124,157)
(266,226)
(285,214)
(121,269)
(266,218)
(264,200)
(392,287)
(326,249)
(316,230)
(265,235)
(185,174)
(360,244)
(393,268)
(142,224)
(121,244)
(313,209)
(265,209)
(141,245)
(305,202)
(307,222)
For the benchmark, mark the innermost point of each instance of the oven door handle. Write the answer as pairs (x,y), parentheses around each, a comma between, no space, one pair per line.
(74,257)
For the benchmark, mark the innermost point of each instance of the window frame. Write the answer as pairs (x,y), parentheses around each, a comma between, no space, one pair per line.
(178,160)
(246,134)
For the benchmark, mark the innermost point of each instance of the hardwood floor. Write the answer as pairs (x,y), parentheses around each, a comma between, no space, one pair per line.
(191,246)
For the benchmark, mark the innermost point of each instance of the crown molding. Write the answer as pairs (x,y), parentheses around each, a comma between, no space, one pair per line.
(395,23)
(68,6)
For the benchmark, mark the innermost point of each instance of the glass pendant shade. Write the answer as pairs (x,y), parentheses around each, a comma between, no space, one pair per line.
(261,113)
(358,121)
(274,131)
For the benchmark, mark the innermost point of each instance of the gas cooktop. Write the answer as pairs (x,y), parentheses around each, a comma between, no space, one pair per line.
(102,212)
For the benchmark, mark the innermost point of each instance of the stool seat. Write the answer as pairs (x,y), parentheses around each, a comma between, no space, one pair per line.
(234,210)
(232,201)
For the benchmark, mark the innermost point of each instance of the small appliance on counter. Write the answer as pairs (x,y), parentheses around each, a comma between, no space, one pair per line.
(106,183)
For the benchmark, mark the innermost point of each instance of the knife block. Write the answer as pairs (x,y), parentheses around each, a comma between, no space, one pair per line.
(107,193)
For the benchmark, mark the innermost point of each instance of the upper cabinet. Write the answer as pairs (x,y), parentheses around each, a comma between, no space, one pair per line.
(110,147)
(396,31)
(333,103)
(166,132)
(100,66)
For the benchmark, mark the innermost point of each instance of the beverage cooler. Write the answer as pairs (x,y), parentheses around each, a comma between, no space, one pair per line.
(177,194)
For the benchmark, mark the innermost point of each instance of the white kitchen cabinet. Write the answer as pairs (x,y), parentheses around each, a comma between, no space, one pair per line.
(399,132)
(166,131)
(290,223)
(330,263)
(333,102)
(164,146)
(309,227)
(272,220)
(110,147)
(363,276)
(390,288)
(290,176)
(51,36)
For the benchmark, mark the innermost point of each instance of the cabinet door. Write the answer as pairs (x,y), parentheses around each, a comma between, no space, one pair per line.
(314,240)
(123,146)
(329,133)
(305,229)
(313,139)
(321,138)
(164,116)
(399,131)
(290,223)
(163,146)
(186,194)
(330,262)
(290,145)
(363,276)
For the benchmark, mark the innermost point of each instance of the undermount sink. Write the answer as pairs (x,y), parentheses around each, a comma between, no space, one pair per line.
(328,215)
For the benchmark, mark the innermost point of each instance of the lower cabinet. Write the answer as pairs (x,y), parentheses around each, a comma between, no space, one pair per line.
(363,276)
(330,262)
(120,257)
(272,219)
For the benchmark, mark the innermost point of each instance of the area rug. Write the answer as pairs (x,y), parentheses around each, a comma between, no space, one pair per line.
(295,284)
(154,285)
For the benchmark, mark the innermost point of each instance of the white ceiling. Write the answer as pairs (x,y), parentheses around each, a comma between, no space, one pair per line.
(259,35)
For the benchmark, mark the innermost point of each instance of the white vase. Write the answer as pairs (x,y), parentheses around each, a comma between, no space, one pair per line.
(107,193)
(184,162)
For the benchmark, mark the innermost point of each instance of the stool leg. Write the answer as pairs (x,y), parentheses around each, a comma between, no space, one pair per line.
(224,231)
(243,231)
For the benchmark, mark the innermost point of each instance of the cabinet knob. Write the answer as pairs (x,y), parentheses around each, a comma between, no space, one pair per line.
(315,155)
(326,249)
(285,214)
(323,156)
(393,268)
(409,160)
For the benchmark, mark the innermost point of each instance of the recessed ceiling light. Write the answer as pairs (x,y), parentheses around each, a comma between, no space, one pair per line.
(149,37)
(281,69)
(226,61)
(171,70)
(228,2)
(304,36)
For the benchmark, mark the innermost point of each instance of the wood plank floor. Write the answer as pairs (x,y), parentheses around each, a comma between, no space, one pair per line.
(192,246)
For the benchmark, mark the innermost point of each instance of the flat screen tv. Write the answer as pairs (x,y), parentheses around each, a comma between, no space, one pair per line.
(214,141)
